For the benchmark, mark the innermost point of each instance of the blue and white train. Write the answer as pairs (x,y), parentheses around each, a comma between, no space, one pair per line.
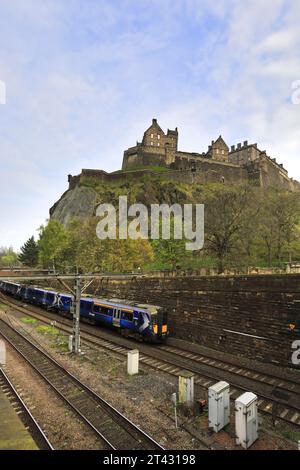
(141,321)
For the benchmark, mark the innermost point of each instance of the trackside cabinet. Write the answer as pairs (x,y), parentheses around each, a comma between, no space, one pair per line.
(218,405)
(246,420)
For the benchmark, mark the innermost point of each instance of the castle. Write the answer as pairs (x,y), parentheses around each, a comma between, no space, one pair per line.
(240,163)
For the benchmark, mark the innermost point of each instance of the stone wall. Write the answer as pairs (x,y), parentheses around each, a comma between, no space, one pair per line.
(243,315)
(203,172)
(210,171)
(272,175)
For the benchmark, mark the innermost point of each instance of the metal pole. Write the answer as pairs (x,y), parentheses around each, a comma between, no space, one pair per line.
(76,316)
(175,411)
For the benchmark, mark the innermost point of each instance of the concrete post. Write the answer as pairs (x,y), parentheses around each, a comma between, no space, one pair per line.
(71,343)
(133,362)
(2,353)
(186,388)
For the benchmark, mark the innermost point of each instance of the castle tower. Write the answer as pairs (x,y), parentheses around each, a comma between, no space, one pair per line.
(156,148)
(155,137)
(218,150)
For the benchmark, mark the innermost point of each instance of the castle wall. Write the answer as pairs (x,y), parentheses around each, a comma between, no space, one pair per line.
(209,171)
(205,172)
(146,156)
(271,175)
(191,170)
(213,311)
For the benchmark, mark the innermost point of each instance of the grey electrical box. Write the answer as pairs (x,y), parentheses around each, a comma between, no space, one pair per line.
(246,422)
(218,405)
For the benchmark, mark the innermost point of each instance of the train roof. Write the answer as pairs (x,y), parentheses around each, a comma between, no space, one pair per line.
(122,303)
(11,283)
(118,303)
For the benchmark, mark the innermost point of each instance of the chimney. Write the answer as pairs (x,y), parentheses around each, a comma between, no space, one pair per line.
(245,143)
(232,148)
(154,121)
(255,145)
(212,142)
(239,145)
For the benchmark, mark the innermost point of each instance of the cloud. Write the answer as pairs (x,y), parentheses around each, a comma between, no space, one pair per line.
(85,78)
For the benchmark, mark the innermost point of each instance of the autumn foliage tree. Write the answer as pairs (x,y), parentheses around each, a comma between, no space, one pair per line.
(244,226)
(78,245)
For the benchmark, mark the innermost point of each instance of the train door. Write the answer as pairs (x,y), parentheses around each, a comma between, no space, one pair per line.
(116,317)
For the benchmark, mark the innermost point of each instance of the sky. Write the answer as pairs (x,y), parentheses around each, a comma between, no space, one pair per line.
(84,78)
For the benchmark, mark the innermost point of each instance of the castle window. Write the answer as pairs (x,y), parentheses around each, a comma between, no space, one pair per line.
(151,143)
(158,136)
(223,152)
(158,144)
(151,136)
(217,150)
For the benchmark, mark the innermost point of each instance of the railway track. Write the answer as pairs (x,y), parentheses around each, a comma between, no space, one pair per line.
(117,432)
(24,413)
(273,390)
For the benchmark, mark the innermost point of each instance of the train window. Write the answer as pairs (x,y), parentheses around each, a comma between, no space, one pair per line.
(101,309)
(127,316)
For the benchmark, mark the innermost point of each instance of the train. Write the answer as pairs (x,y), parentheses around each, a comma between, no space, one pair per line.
(141,321)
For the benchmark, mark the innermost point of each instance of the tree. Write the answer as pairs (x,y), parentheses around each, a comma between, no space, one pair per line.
(10,258)
(82,248)
(127,255)
(279,221)
(52,238)
(29,253)
(169,251)
(225,217)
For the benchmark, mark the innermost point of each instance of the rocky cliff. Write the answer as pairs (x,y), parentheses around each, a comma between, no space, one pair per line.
(77,202)
(82,199)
